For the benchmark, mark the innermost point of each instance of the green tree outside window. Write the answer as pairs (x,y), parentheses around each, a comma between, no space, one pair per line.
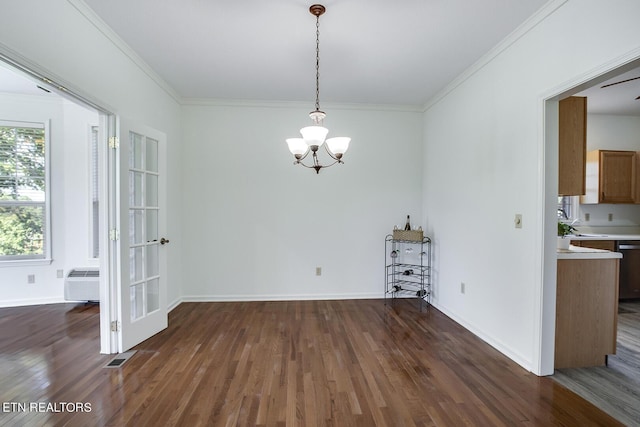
(22,191)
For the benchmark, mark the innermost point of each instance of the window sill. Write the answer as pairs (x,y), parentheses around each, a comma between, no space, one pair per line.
(25,262)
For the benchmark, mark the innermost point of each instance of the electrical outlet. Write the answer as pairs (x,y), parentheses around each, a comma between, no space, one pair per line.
(318,271)
(31,278)
(462,286)
(60,274)
(610,217)
(587,216)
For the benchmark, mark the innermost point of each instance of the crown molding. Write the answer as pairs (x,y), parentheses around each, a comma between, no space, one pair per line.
(533,21)
(213,102)
(114,38)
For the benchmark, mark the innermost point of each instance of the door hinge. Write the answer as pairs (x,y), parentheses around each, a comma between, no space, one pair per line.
(114,234)
(115,326)
(114,142)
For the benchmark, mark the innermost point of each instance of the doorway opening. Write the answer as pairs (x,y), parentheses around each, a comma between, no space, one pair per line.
(77,194)
(607,117)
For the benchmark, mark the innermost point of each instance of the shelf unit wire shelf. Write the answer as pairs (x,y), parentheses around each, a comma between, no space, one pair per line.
(408,269)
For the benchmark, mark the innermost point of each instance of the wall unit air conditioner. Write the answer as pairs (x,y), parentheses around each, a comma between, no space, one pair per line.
(82,284)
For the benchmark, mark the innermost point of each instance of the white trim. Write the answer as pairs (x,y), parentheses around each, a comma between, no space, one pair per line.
(498,345)
(47,79)
(546,258)
(37,301)
(174,304)
(117,41)
(46,257)
(90,172)
(328,107)
(31,262)
(535,19)
(289,297)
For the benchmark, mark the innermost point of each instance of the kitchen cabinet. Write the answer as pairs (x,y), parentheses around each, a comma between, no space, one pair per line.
(586,312)
(572,145)
(611,177)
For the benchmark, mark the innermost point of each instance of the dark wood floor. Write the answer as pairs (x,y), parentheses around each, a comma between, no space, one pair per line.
(614,388)
(310,363)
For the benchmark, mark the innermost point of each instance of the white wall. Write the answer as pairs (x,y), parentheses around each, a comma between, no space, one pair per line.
(74,47)
(258,226)
(609,132)
(484,161)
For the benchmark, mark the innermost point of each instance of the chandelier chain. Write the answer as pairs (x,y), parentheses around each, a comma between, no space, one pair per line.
(318,63)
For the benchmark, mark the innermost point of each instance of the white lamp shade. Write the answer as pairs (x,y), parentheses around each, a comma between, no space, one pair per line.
(314,135)
(297,146)
(338,144)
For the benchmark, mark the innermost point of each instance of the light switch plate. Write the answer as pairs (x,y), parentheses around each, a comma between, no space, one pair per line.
(518,221)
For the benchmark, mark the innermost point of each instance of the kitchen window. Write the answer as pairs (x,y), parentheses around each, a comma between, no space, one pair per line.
(24,198)
(568,208)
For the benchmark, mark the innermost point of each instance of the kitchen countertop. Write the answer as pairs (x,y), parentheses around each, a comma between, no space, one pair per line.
(596,236)
(578,252)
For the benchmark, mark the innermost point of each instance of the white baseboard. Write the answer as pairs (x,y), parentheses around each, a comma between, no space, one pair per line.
(302,297)
(174,304)
(26,302)
(501,347)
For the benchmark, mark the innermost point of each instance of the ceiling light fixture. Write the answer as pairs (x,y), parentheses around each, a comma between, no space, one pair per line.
(314,136)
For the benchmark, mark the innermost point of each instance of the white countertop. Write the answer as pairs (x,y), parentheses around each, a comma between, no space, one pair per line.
(586,236)
(578,252)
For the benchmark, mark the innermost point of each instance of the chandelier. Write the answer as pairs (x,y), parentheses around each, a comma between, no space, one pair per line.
(314,136)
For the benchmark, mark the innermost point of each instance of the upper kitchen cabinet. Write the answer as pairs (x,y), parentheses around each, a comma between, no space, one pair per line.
(611,177)
(572,142)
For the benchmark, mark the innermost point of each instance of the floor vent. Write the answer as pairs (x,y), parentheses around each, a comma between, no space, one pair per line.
(120,359)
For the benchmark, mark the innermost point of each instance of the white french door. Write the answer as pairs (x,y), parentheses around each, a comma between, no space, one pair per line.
(142,292)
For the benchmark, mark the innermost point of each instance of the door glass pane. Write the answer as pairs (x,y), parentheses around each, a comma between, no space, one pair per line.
(153,295)
(135,189)
(152,190)
(137,301)
(136,217)
(153,267)
(135,151)
(136,264)
(152,155)
(152,225)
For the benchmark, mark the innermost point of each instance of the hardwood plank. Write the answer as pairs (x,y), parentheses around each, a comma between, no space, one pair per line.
(290,363)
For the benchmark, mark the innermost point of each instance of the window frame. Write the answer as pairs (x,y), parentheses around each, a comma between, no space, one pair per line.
(573,211)
(45,258)
(94,192)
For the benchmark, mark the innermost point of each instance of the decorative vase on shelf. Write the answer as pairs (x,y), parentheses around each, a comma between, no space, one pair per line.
(564,242)
(564,233)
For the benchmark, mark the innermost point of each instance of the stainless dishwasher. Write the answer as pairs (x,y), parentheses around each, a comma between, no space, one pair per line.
(629,269)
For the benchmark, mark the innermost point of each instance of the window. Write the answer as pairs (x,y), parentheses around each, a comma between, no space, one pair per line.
(568,207)
(95,195)
(23,191)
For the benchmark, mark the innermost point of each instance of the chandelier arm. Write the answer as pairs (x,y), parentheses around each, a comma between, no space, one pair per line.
(337,159)
(301,158)
(318,166)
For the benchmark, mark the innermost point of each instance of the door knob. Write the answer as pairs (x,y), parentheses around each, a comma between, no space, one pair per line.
(164,241)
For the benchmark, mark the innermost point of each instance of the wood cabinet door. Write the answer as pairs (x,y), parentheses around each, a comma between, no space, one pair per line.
(572,145)
(617,176)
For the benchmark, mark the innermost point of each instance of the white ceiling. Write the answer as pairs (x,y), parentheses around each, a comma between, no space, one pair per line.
(374,52)
(617,99)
